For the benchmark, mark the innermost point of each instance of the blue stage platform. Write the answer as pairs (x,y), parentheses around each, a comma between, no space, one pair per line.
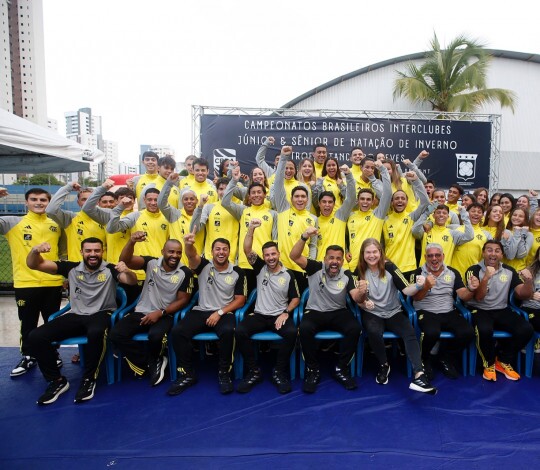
(469,424)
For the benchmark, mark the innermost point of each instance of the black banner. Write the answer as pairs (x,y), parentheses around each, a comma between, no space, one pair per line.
(459,151)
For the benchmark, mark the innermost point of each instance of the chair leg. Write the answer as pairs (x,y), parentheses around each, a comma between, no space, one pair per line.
(529,357)
(472,359)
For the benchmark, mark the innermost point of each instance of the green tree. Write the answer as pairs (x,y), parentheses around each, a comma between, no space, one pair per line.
(452,79)
(89,183)
(39,179)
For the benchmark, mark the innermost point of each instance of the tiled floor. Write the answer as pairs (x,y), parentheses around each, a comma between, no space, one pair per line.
(9,322)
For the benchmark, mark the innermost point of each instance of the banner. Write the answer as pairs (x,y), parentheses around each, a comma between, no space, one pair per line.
(459,151)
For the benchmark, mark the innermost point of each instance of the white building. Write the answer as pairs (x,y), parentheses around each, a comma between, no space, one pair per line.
(370,88)
(86,128)
(128,168)
(110,149)
(22,60)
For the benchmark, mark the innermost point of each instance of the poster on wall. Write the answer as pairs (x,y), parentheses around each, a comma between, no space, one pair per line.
(459,151)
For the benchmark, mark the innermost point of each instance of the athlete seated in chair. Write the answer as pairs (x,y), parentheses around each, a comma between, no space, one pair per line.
(222,290)
(167,288)
(326,308)
(277,297)
(92,284)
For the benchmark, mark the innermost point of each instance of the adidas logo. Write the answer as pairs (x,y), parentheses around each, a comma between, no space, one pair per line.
(29,227)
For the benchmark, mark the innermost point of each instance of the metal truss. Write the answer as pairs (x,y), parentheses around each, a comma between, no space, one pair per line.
(495,120)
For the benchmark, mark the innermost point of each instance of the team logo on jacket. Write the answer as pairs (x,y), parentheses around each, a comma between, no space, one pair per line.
(175,279)
(229,280)
(447,278)
(340,284)
(27,236)
(503,278)
(281,281)
(52,228)
(102,277)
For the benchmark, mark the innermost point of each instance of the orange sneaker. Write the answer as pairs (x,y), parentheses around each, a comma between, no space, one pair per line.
(507,370)
(489,373)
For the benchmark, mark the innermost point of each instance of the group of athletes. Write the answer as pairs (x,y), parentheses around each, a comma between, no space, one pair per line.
(360,233)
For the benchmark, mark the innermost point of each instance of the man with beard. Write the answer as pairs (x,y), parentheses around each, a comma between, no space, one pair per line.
(180,219)
(434,303)
(326,308)
(222,290)
(92,285)
(490,310)
(277,297)
(167,288)
(397,229)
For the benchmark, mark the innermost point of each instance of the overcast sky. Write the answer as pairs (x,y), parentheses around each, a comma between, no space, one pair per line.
(141,65)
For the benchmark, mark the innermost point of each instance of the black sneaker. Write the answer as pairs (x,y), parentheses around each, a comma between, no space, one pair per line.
(225,383)
(421,384)
(183,381)
(252,378)
(53,391)
(382,375)
(343,376)
(157,370)
(86,391)
(448,369)
(24,365)
(311,379)
(281,381)
(428,370)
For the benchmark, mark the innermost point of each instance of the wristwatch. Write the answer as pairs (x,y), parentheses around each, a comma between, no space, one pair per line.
(220,312)
(163,312)
(304,238)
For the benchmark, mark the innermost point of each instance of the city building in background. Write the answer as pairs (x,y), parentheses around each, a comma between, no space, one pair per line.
(160,150)
(22,60)
(86,128)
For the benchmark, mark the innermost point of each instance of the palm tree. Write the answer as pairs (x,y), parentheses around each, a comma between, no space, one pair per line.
(452,79)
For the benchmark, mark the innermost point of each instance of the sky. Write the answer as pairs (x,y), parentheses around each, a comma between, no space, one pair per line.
(141,65)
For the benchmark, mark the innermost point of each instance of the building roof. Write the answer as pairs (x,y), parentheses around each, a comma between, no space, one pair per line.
(523,56)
